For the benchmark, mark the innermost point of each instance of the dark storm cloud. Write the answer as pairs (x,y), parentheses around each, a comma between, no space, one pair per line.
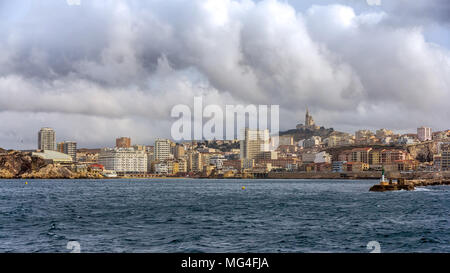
(115,68)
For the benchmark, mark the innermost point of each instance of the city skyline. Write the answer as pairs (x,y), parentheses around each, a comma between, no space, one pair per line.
(356,65)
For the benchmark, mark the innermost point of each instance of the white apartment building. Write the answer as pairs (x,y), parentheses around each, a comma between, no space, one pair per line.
(424,133)
(46,139)
(125,160)
(162,149)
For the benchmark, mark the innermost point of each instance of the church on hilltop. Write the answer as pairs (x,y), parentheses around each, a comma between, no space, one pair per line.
(309,123)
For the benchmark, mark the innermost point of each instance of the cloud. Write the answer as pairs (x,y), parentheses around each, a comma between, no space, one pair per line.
(110,68)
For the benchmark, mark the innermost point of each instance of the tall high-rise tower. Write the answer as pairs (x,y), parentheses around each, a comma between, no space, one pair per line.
(162,149)
(254,142)
(46,139)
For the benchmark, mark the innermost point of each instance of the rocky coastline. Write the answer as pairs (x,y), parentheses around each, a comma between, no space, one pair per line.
(408,185)
(21,165)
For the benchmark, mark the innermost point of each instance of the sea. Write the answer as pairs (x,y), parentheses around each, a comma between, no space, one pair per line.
(220,216)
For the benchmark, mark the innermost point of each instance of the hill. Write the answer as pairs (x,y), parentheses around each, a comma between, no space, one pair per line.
(305,133)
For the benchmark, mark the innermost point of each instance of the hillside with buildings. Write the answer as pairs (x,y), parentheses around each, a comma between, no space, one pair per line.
(309,151)
(310,129)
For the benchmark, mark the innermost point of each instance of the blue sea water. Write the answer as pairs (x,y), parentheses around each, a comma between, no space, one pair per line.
(219,216)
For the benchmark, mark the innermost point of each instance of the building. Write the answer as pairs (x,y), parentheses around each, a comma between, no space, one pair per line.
(217,161)
(195,162)
(54,157)
(162,149)
(382,133)
(69,148)
(406,140)
(234,164)
(389,156)
(123,160)
(338,166)
(309,122)
(424,133)
(286,140)
(308,157)
(179,151)
(360,155)
(363,136)
(356,167)
(123,142)
(445,157)
(254,142)
(314,141)
(88,156)
(46,139)
(322,157)
(332,141)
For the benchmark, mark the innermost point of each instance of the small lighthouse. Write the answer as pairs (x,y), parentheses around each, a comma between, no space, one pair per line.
(383,179)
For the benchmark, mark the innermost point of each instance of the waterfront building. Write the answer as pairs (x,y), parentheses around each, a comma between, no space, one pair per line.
(46,139)
(437,162)
(179,151)
(194,162)
(445,157)
(161,168)
(356,167)
(54,157)
(247,163)
(123,160)
(88,156)
(123,142)
(360,155)
(283,163)
(68,147)
(234,164)
(182,166)
(424,133)
(162,149)
(374,158)
(389,156)
(338,166)
(254,142)
(217,161)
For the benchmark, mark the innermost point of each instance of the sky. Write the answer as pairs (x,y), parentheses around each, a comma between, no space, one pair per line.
(104,69)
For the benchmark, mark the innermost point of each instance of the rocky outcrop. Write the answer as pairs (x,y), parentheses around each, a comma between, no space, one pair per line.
(423,152)
(15,164)
(392,187)
(409,185)
(57,172)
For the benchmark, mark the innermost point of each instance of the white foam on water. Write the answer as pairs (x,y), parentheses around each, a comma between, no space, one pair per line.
(422,189)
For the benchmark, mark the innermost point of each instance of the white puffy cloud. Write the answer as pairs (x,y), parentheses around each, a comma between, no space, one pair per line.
(110,68)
